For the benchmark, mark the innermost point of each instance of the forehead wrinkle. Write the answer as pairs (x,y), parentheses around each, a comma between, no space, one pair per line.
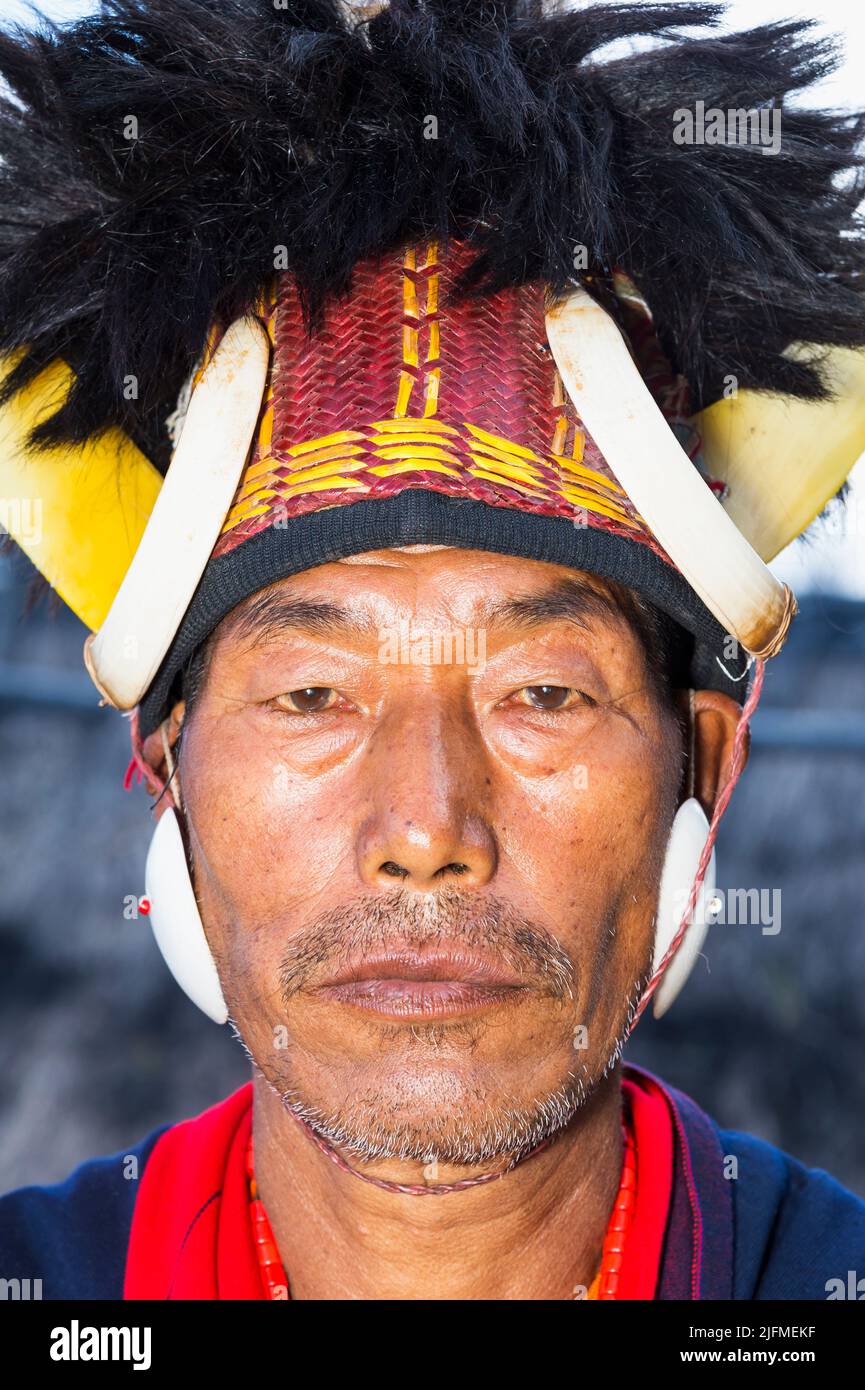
(269,615)
(569,598)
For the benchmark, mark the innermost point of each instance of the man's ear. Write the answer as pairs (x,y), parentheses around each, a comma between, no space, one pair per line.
(715,720)
(157,751)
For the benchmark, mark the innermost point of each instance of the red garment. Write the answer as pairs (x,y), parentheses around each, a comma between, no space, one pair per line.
(652,1126)
(191,1232)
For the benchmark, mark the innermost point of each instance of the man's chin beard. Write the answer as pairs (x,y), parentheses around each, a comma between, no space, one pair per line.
(365,1133)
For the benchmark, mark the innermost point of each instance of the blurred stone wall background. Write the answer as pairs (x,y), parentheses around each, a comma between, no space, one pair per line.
(98,1046)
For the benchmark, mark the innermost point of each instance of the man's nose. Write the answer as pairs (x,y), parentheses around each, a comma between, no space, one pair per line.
(428,826)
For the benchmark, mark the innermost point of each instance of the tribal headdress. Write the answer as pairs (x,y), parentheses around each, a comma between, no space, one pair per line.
(283,282)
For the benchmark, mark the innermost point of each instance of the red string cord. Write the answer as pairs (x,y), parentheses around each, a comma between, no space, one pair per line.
(412,1189)
(139,770)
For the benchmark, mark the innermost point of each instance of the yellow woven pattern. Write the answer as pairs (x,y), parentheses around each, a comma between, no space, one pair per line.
(350,459)
(353,461)
(411,335)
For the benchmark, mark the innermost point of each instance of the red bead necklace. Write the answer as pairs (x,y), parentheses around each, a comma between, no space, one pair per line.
(604,1286)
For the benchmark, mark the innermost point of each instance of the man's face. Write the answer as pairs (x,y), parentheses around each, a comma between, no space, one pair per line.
(427,796)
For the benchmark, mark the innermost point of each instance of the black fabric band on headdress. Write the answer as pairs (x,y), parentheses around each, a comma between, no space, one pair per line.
(420,517)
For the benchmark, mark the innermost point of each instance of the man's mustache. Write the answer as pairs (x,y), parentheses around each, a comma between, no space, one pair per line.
(445,919)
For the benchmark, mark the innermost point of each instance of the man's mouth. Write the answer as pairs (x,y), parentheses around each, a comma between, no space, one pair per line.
(412,985)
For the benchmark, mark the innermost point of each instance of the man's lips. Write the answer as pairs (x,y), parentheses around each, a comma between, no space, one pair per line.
(407,984)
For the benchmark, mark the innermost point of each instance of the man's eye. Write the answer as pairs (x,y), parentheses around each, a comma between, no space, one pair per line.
(550,697)
(311,700)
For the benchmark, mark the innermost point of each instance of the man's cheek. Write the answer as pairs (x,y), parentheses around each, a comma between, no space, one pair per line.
(576,847)
(249,967)
(260,849)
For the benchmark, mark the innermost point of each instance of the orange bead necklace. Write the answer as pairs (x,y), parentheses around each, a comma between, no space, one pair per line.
(604,1286)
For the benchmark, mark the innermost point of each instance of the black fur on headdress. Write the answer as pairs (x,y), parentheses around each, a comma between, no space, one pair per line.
(292,123)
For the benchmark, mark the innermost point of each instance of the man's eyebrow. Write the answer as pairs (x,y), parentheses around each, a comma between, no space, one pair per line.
(568,598)
(268,615)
